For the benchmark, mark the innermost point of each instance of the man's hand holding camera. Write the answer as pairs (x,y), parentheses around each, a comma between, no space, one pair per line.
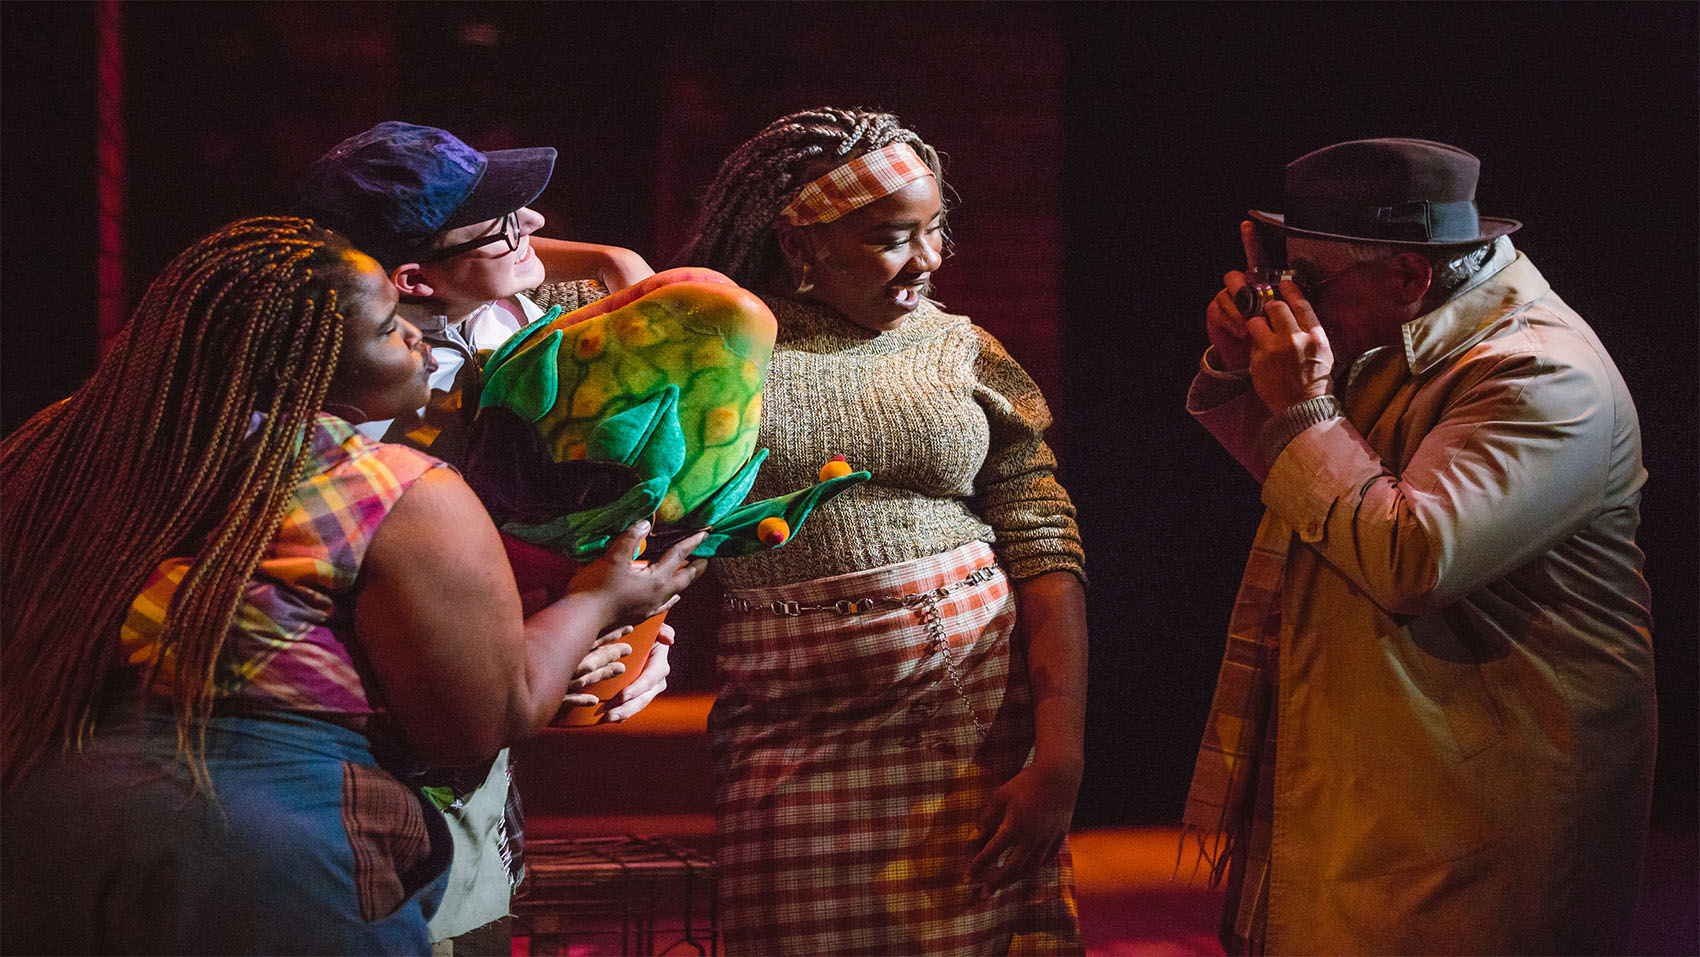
(1281,343)
(1222,318)
(1291,360)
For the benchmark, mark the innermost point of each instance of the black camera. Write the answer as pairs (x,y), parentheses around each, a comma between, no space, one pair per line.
(1262,286)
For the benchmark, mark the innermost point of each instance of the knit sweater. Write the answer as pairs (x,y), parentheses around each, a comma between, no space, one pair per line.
(568,295)
(951,427)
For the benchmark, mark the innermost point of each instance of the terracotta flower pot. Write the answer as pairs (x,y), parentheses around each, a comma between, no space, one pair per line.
(642,639)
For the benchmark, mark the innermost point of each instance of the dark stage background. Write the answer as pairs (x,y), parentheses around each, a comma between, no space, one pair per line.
(1103,155)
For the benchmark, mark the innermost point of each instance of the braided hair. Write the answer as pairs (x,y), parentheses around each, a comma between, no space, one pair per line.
(187,440)
(736,232)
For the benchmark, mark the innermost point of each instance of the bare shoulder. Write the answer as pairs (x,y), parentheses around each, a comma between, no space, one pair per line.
(438,493)
(438,519)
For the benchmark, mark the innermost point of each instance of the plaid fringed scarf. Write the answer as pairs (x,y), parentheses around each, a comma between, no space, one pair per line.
(1229,807)
(1218,816)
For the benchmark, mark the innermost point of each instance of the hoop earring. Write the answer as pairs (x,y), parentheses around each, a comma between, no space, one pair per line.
(803,283)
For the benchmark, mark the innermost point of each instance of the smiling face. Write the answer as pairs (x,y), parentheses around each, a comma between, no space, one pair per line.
(489,272)
(875,263)
(384,369)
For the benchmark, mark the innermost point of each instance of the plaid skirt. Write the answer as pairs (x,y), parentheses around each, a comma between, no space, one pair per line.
(850,767)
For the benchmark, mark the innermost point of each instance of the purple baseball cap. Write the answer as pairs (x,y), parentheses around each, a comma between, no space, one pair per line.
(397,184)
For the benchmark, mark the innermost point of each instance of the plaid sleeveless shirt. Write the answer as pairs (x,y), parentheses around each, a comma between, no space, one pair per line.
(290,647)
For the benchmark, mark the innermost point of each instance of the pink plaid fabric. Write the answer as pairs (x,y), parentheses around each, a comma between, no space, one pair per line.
(856,184)
(849,772)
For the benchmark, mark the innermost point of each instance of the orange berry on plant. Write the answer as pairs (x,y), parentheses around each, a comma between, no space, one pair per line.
(835,467)
(773,531)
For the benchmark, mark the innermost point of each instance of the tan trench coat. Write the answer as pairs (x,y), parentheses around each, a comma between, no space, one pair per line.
(1466,716)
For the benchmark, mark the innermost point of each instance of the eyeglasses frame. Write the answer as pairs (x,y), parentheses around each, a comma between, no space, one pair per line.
(508,233)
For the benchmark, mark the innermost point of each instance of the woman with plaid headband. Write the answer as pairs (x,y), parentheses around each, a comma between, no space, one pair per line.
(897,753)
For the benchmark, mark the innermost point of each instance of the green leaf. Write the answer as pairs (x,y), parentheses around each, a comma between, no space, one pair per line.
(518,341)
(663,454)
(588,531)
(726,498)
(441,796)
(527,383)
(735,534)
(623,437)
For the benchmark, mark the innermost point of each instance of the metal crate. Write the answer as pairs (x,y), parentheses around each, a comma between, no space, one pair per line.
(616,895)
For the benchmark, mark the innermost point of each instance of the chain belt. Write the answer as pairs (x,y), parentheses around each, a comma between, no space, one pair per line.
(928,604)
(857,606)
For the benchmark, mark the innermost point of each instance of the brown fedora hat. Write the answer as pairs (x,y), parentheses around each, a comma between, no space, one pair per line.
(1404,192)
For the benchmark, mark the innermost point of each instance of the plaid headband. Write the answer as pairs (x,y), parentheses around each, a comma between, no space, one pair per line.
(857,183)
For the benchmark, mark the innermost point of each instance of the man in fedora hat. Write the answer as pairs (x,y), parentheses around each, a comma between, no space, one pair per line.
(1434,727)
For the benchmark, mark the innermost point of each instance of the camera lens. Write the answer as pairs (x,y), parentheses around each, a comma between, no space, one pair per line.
(1251,299)
(1262,286)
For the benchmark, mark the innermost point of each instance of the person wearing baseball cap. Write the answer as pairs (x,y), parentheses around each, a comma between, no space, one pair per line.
(1435,726)
(453,228)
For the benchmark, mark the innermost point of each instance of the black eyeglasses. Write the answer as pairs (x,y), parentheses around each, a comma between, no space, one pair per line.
(508,233)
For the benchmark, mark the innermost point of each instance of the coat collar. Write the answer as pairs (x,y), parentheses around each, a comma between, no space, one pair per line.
(1506,285)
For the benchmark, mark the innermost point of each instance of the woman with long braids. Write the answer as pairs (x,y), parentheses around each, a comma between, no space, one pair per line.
(228,618)
(897,749)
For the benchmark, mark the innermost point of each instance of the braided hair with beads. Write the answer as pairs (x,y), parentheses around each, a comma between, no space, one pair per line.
(735,233)
(187,440)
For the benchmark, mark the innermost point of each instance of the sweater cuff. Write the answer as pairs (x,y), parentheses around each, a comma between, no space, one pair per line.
(1212,387)
(1281,428)
(1025,568)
